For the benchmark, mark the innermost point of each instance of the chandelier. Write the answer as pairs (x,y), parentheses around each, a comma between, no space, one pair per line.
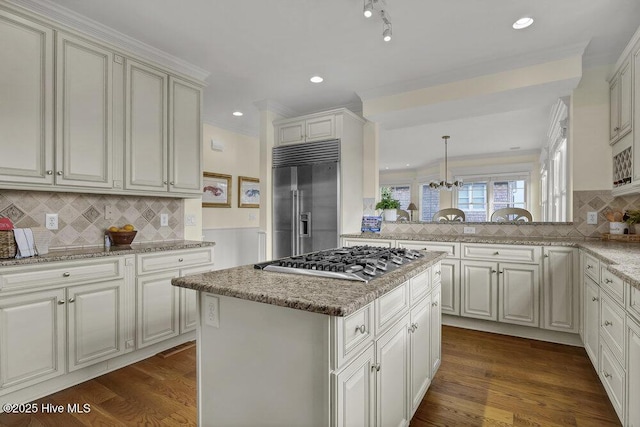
(444,184)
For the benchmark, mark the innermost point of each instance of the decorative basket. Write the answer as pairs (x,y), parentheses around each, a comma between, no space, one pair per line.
(122,238)
(622,237)
(8,246)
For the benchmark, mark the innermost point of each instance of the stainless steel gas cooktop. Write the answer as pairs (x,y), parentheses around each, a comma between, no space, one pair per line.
(362,263)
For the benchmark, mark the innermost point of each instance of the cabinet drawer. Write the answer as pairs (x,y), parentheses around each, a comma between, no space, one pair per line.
(451,248)
(351,334)
(160,261)
(634,301)
(612,284)
(612,377)
(501,252)
(61,273)
(591,267)
(420,285)
(390,307)
(378,243)
(612,326)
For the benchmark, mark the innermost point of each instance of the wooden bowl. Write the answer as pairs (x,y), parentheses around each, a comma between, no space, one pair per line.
(122,238)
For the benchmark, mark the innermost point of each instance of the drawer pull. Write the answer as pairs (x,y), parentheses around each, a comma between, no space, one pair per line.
(607,375)
(496,253)
(180,259)
(66,274)
(72,299)
(362,329)
(608,281)
(594,298)
(60,302)
(607,323)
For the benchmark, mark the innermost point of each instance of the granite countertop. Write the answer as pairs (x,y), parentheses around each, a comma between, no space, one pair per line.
(621,258)
(335,297)
(98,251)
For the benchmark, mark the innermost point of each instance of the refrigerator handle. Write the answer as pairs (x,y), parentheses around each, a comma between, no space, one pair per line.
(295,209)
(305,224)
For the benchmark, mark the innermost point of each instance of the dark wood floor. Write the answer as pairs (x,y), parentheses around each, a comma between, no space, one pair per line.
(485,380)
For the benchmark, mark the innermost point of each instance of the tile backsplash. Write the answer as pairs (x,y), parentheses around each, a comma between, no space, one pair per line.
(583,202)
(81,219)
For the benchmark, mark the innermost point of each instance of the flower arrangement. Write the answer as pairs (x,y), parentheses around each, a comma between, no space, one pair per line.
(387,201)
(631,217)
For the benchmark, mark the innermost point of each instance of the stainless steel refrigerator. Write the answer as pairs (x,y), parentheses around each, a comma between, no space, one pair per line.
(306,195)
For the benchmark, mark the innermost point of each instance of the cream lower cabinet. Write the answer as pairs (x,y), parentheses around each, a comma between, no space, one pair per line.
(420,331)
(435,328)
(591,319)
(355,392)
(560,294)
(633,372)
(165,311)
(32,334)
(505,292)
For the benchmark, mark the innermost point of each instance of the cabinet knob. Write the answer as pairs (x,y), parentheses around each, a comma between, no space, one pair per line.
(496,253)
(594,298)
(60,302)
(172,183)
(608,281)
(180,259)
(72,299)
(546,255)
(59,172)
(607,323)
(500,272)
(362,329)
(493,271)
(66,274)
(375,367)
(616,128)
(164,182)
(607,375)
(49,172)
(438,273)
(414,326)
(589,266)
(435,304)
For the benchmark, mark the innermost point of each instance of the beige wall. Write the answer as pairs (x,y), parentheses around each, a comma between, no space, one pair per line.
(589,132)
(240,157)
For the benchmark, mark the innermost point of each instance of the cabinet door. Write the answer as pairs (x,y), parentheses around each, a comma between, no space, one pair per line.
(614,108)
(625,110)
(392,362)
(290,132)
(146,128)
(518,294)
(479,289)
(26,101)
(560,290)
(420,352)
(185,139)
(354,392)
(158,309)
(591,326)
(633,373)
(450,285)
(320,128)
(84,113)
(636,112)
(436,330)
(95,316)
(188,302)
(32,331)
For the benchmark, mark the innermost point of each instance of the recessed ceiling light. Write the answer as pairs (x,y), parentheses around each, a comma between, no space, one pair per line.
(238,113)
(407,164)
(316,79)
(523,22)
(386,167)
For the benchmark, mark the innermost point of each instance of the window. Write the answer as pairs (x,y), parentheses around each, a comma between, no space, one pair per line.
(544,201)
(559,182)
(429,202)
(401,193)
(479,196)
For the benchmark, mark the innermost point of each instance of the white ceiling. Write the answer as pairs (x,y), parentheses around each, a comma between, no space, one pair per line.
(259,50)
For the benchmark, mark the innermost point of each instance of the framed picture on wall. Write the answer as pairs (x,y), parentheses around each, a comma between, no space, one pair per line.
(248,192)
(216,190)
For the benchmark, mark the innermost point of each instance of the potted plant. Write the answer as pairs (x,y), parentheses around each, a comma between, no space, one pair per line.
(631,217)
(388,205)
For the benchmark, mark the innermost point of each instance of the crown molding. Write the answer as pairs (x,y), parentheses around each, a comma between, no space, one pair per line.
(276,107)
(75,21)
(241,130)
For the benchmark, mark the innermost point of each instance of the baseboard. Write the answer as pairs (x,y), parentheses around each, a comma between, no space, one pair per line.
(513,330)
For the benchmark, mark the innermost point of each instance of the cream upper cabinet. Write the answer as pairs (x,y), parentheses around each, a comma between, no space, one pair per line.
(620,106)
(146,143)
(26,101)
(185,139)
(84,146)
(307,130)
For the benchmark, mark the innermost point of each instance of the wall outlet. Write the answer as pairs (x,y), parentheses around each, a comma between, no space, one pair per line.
(469,230)
(212,311)
(108,212)
(51,221)
(592,218)
(164,220)
(190,220)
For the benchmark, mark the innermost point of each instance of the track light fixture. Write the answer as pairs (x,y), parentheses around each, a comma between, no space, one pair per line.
(368,10)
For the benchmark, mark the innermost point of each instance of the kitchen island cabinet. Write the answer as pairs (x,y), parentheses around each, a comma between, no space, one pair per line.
(340,351)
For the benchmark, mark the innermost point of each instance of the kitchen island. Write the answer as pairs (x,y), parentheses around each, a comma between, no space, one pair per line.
(284,349)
